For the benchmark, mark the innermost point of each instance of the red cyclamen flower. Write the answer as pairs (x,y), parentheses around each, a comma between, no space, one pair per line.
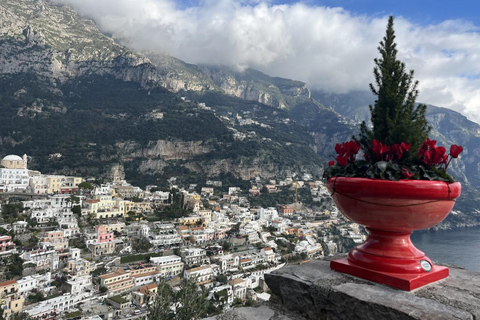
(379,149)
(455,150)
(342,160)
(331,163)
(407,174)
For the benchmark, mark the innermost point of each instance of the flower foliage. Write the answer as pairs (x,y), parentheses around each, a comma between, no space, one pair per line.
(397,146)
(392,162)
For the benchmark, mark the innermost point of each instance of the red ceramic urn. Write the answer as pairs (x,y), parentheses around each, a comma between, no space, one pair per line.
(391,211)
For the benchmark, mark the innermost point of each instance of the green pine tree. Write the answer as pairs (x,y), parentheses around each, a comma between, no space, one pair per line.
(394,115)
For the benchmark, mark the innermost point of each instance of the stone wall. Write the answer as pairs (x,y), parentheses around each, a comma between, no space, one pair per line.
(313,291)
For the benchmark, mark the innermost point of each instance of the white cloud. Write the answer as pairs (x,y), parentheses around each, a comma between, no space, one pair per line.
(328,48)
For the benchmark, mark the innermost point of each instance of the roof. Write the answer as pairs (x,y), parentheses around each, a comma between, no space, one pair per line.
(267,248)
(199,268)
(7,283)
(146,288)
(139,275)
(12,157)
(112,275)
(237,281)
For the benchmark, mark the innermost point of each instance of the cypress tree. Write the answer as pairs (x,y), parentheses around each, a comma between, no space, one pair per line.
(394,115)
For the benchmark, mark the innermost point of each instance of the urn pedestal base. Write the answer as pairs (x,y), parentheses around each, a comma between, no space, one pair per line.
(401,281)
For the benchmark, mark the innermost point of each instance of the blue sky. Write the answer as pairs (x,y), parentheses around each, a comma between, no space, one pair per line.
(328,44)
(420,11)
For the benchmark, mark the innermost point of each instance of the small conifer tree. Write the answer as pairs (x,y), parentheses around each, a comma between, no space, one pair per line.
(394,115)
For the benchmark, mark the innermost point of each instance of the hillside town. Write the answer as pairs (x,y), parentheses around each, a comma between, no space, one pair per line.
(74,248)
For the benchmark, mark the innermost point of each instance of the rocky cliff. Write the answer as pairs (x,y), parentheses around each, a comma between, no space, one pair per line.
(55,43)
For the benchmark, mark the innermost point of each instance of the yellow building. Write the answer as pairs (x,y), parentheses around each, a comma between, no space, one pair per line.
(57,239)
(11,301)
(137,207)
(117,282)
(104,206)
(56,183)
(119,227)
(188,221)
(78,267)
(14,162)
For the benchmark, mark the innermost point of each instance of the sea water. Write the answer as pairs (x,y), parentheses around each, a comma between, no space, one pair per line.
(459,246)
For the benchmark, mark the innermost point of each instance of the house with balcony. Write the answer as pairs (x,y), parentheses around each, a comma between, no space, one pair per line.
(45,258)
(204,275)
(165,235)
(117,282)
(56,239)
(143,274)
(78,267)
(194,256)
(104,207)
(103,243)
(168,266)
(11,301)
(79,283)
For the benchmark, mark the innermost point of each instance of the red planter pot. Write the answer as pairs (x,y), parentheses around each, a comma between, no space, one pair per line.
(391,211)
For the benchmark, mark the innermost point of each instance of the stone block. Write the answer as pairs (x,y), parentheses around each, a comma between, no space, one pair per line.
(314,291)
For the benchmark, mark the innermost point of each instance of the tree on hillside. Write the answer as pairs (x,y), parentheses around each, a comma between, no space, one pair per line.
(86,185)
(160,307)
(394,115)
(186,304)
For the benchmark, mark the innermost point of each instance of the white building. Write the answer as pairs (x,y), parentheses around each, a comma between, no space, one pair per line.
(79,284)
(59,304)
(168,266)
(221,295)
(228,262)
(239,287)
(14,174)
(26,285)
(193,256)
(204,275)
(268,214)
(165,235)
(138,230)
(42,258)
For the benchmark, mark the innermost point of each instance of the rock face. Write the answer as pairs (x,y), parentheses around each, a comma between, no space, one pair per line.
(54,42)
(315,292)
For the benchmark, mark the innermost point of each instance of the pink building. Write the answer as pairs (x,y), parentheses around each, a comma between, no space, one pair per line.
(6,244)
(220,234)
(103,235)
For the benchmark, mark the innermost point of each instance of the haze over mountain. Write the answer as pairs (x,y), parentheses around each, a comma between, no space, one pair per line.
(66,88)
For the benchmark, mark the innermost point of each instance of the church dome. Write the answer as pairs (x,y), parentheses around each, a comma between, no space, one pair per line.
(12,157)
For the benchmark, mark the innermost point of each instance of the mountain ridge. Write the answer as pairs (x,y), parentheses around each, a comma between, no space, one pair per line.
(60,75)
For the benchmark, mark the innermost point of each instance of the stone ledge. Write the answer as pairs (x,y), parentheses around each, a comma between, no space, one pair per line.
(314,291)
